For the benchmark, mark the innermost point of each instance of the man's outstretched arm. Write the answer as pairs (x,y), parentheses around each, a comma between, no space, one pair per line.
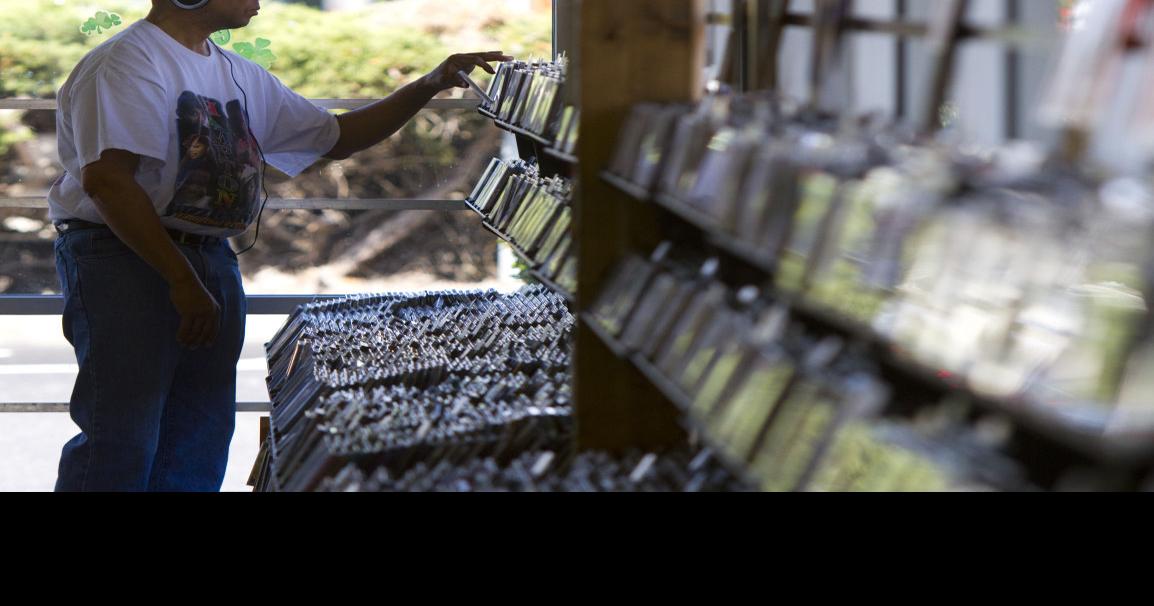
(369,125)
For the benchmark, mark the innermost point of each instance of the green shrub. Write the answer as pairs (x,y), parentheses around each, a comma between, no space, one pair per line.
(340,54)
(366,53)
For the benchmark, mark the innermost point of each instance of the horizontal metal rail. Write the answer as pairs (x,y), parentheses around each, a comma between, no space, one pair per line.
(258,305)
(59,407)
(21,103)
(301,204)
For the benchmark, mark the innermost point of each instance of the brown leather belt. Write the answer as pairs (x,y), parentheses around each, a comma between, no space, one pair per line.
(180,237)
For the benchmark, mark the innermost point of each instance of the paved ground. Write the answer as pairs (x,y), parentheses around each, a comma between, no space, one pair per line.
(36,365)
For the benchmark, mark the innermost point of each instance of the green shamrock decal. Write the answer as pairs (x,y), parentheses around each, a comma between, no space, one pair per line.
(258,53)
(222,37)
(100,22)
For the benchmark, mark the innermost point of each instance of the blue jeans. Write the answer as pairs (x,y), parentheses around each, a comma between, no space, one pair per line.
(153,415)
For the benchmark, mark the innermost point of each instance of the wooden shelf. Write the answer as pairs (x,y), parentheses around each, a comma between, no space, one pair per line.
(516,130)
(593,324)
(562,156)
(673,393)
(632,189)
(727,242)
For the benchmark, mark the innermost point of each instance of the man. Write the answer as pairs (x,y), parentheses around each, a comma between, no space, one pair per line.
(162,135)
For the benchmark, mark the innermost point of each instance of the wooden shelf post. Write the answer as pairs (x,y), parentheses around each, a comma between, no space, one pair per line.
(629,52)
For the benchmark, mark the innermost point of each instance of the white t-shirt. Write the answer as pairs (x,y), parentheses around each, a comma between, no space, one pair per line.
(182,112)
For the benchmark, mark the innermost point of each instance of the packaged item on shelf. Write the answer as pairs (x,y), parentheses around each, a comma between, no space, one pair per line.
(843,286)
(564,135)
(660,301)
(804,418)
(688,328)
(656,297)
(555,233)
(726,332)
(566,277)
(824,396)
(935,452)
(553,260)
(660,332)
(628,146)
(528,94)
(621,292)
(822,195)
(532,212)
(736,424)
(654,144)
(767,201)
(690,141)
(513,92)
(642,144)
(736,360)
(497,87)
(572,134)
(724,167)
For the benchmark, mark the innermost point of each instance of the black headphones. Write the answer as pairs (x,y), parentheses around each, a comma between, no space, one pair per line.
(189,4)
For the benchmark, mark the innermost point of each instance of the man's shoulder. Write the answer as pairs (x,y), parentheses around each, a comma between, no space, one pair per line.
(127,53)
(132,43)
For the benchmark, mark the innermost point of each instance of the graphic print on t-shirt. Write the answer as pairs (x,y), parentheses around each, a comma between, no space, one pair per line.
(218,177)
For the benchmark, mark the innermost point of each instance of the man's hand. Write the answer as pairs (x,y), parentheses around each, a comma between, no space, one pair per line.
(199,313)
(445,76)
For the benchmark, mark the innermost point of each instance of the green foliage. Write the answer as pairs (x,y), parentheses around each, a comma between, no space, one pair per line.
(40,42)
(523,274)
(102,21)
(365,53)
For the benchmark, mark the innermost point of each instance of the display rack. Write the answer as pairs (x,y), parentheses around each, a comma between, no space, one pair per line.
(623,401)
(551,161)
(531,146)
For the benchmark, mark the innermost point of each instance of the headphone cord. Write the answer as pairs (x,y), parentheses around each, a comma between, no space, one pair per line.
(264,162)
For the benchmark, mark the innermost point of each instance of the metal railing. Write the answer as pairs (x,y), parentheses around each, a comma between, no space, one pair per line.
(53,305)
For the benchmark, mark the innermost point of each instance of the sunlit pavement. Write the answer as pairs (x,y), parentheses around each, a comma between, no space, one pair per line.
(37,365)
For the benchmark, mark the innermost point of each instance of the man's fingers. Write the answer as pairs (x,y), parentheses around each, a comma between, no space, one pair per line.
(495,56)
(484,65)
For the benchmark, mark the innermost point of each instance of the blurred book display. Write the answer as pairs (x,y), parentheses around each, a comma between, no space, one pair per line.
(1012,279)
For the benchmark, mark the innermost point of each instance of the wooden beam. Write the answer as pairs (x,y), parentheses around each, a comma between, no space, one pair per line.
(630,52)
